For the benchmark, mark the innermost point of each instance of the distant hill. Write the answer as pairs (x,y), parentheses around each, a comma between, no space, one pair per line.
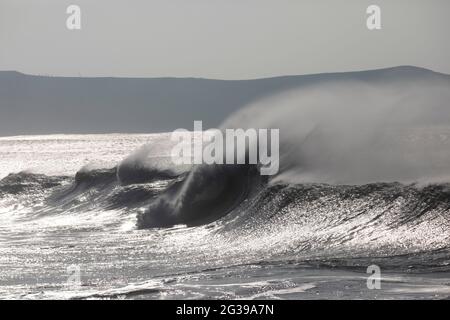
(38,104)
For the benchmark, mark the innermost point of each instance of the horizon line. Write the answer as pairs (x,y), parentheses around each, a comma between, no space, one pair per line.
(215,79)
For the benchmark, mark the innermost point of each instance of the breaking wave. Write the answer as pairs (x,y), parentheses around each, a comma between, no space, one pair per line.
(298,219)
(208,193)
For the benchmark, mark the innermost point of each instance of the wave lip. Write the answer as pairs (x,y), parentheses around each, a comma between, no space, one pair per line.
(135,174)
(18,183)
(205,195)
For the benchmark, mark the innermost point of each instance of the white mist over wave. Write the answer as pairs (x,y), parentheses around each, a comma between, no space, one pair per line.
(155,156)
(377,126)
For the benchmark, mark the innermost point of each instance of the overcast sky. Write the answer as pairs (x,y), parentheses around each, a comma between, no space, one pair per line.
(223,39)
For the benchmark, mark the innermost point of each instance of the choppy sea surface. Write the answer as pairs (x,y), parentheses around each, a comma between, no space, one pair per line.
(79,222)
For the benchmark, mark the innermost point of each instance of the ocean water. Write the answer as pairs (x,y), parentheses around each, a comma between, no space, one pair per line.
(363,184)
(82,219)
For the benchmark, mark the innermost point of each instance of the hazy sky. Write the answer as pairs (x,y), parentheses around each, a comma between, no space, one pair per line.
(225,39)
